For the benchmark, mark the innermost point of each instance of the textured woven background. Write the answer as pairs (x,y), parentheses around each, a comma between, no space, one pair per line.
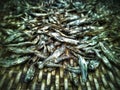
(101,79)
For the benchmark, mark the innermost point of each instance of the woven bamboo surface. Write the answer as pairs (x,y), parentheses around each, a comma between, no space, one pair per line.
(58,79)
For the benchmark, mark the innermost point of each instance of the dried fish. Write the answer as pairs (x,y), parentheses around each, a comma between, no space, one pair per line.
(109,54)
(76,70)
(92,65)
(72,68)
(8,62)
(58,60)
(55,55)
(53,65)
(78,22)
(24,43)
(104,59)
(30,73)
(40,14)
(71,18)
(12,37)
(20,51)
(62,34)
(83,68)
(76,30)
(58,37)
(26,51)
(106,62)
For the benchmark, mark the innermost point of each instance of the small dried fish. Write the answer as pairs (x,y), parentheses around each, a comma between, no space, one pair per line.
(78,22)
(104,59)
(25,43)
(71,18)
(92,65)
(26,51)
(58,60)
(76,30)
(21,44)
(81,46)
(44,28)
(72,68)
(13,61)
(62,34)
(106,62)
(30,73)
(60,38)
(55,55)
(40,14)
(12,37)
(20,51)
(83,68)
(53,65)
(109,54)
(76,70)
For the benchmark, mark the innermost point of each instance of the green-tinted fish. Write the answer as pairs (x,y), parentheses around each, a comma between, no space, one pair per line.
(13,61)
(109,54)
(30,73)
(83,68)
(104,59)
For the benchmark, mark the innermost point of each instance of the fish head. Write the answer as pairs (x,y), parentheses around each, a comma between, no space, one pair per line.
(93,64)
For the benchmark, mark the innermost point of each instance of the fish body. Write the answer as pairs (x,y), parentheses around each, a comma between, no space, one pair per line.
(83,68)
(62,59)
(60,38)
(53,65)
(104,59)
(30,73)
(109,54)
(13,61)
(53,56)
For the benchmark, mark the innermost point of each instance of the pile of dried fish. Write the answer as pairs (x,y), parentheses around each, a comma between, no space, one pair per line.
(45,37)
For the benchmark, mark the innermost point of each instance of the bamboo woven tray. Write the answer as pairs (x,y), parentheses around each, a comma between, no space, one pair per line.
(101,79)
